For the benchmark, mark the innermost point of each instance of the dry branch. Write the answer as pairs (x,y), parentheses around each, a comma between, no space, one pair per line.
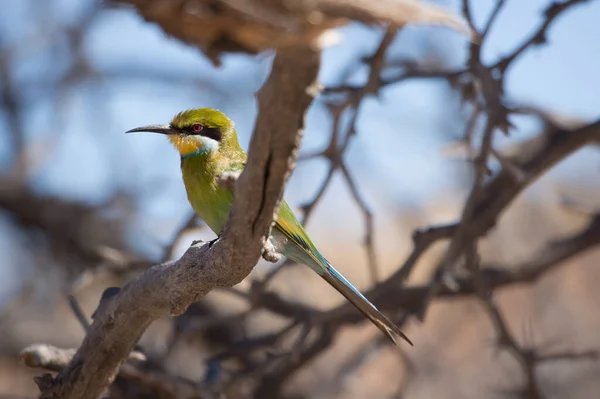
(497,276)
(174,286)
(251,26)
(56,359)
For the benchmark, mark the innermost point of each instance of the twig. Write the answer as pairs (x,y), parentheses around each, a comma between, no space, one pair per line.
(78,312)
(369,242)
(492,18)
(554,10)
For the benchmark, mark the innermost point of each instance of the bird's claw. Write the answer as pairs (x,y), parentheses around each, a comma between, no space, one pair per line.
(269,253)
(210,243)
(213,241)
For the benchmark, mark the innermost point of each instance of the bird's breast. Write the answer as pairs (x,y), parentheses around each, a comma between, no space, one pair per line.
(210,200)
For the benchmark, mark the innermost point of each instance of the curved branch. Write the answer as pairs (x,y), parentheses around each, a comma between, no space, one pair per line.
(283,101)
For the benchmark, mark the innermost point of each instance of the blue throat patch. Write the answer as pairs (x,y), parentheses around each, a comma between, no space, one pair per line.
(199,152)
(208,146)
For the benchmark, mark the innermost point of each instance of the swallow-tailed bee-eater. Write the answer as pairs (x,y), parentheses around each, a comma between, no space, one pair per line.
(208,145)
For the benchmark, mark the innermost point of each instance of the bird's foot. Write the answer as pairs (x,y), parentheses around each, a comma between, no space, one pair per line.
(212,242)
(269,253)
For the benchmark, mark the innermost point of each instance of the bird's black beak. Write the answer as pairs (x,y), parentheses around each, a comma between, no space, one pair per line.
(162,129)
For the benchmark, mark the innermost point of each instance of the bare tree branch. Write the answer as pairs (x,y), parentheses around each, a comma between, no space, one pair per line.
(56,359)
(251,26)
(174,286)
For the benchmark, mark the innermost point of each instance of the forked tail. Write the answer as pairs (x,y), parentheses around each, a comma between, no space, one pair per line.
(337,281)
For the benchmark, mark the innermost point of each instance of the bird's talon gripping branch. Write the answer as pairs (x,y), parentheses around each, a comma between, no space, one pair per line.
(269,253)
(213,241)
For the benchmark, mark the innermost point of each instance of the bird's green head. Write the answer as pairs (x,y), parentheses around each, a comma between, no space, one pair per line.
(198,131)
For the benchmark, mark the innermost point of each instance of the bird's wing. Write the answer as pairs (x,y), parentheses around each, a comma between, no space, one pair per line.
(289,225)
(286,221)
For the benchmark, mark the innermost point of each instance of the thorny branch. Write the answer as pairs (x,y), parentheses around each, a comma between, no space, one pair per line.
(312,331)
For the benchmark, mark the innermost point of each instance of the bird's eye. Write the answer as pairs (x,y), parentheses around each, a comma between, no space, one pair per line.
(197,128)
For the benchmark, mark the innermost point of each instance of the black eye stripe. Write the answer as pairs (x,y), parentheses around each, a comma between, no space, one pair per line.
(212,132)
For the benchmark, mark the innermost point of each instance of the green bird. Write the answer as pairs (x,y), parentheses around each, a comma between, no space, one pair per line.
(207,142)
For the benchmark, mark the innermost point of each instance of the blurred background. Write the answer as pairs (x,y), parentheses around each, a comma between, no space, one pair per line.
(84,206)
